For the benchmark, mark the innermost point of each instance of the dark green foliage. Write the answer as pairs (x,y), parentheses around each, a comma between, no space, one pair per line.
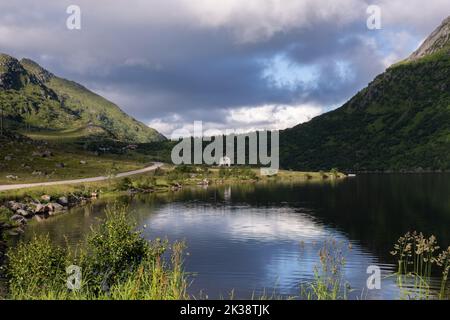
(144,183)
(125,184)
(5,214)
(37,267)
(237,172)
(115,261)
(113,249)
(401,121)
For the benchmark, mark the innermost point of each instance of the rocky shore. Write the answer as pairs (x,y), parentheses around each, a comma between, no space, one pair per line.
(16,214)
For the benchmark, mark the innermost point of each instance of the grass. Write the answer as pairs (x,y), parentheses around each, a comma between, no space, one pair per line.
(115,263)
(418,257)
(163,179)
(118,264)
(328,283)
(23,159)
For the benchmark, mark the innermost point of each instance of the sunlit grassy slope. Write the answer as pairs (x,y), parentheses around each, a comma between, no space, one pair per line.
(33,100)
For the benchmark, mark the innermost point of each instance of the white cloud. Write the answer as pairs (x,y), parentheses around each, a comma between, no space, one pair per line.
(272,116)
(244,119)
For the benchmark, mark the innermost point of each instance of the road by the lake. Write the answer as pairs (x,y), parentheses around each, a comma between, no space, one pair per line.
(155,166)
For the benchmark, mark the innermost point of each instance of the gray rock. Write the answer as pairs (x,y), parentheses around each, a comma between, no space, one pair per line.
(63,201)
(24,213)
(18,218)
(40,209)
(14,206)
(54,207)
(47,153)
(435,42)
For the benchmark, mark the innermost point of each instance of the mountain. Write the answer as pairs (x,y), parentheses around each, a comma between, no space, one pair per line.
(400,121)
(33,99)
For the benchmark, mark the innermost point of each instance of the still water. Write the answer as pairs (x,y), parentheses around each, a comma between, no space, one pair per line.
(249,240)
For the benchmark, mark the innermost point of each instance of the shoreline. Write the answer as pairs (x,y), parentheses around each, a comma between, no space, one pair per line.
(46,200)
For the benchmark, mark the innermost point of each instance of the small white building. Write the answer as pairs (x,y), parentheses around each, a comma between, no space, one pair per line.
(225,162)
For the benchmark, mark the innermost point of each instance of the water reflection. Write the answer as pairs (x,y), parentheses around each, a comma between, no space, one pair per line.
(251,238)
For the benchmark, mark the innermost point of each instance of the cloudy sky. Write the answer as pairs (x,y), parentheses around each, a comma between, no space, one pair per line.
(253,64)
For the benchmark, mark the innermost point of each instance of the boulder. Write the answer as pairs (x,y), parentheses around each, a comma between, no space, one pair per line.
(14,206)
(54,207)
(24,213)
(63,201)
(46,197)
(18,218)
(40,209)
(46,154)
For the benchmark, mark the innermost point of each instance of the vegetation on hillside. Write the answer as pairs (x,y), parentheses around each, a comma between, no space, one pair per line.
(401,121)
(32,99)
(23,160)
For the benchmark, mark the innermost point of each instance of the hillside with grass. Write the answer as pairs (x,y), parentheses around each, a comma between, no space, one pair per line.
(35,102)
(401,121)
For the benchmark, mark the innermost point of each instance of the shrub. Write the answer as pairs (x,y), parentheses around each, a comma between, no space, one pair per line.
(144,183)
(125,184)
(334,172)
(113,249)
(116,263)
(5,214)
(36,267)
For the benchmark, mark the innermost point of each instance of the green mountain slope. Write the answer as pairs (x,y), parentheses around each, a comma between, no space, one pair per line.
(401,121)
(33,99)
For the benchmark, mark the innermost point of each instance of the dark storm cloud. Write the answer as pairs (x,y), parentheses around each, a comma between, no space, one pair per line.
(198,60)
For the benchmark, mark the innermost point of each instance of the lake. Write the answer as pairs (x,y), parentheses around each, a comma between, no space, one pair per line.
(253,239)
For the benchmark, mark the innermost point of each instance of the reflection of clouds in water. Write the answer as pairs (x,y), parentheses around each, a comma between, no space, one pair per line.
(274,223)
(256,248)
(242,223)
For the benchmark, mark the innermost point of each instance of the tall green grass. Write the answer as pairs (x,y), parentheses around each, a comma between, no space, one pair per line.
(418,261)
(115,260)
(329,282)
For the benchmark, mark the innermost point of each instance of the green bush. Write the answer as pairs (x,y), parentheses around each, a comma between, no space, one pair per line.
(144,183)
(113,249)
(36,267)
(125,184)
(116,263)
(5,214)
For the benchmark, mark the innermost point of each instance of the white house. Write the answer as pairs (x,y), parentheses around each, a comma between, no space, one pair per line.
(225,162)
